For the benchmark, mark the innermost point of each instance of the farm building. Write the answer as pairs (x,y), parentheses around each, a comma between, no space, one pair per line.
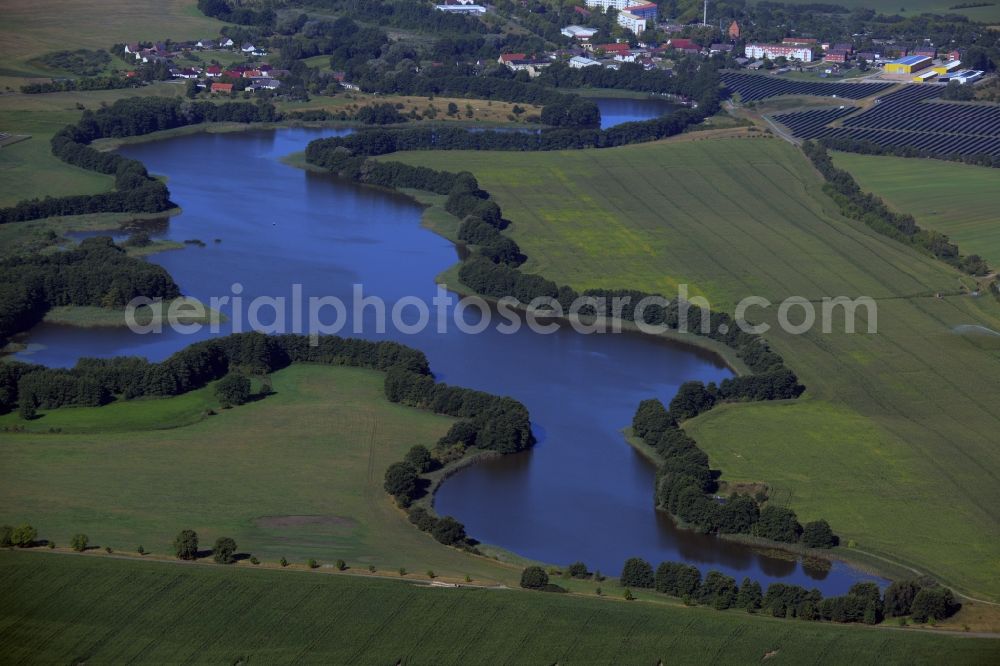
(925,77)
(965,76)
(948,67)
(908,65)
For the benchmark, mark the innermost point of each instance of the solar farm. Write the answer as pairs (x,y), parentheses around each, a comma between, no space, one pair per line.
(912,117)
(755,87)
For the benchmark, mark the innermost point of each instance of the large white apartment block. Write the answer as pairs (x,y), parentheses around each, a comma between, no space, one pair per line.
(773,51)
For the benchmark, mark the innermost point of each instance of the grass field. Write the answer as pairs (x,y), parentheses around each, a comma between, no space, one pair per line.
(28,168)
(73,609)
(911,8)
(298,474)
(956,199)
(31,28)
(895,440)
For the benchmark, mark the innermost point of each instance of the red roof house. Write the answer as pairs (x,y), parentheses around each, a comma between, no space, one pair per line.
(616,49)
(222,88)
(213,71)
(683,44)
(507,57)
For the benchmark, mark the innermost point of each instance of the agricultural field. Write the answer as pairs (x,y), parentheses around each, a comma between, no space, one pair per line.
(70,609)
(755,87)
(988,13)
(297,474)
(28,167)
(32,28)
(891,422)
(959,200)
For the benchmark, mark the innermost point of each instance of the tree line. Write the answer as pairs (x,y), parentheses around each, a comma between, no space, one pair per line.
(685,484)
(870,209)
(135,190)
(922,598)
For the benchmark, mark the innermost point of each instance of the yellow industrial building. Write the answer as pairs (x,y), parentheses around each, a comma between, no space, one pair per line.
(908,65)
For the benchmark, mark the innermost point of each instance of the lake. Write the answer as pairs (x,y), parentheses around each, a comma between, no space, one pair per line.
(618,110)
(581,494)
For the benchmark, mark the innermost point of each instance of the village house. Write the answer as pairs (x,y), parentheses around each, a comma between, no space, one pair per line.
(213,71)
(225,88)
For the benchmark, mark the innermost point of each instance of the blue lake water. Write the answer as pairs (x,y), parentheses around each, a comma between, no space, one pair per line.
(581,494)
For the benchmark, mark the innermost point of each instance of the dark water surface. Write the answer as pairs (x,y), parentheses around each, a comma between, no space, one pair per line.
(617,110)
(581,494)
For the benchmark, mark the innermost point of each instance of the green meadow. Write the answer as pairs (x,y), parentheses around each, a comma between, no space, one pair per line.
(297,474)
(909,8)
(75,609)
(959,200)
(894,441)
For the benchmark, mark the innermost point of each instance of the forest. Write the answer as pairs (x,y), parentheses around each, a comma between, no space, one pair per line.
(96,273)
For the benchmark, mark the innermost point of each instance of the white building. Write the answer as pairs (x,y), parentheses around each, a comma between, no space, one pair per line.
(578,32)
(631,22)
(773,51)
(461,9)
(617,4)
(579,62)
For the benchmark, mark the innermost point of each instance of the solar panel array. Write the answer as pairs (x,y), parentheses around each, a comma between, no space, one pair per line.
(753,87)
(809,124)
(909,118)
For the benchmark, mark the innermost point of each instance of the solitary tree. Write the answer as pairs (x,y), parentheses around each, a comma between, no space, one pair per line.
(26,409)
(233,389)
(818,534)
(79,542)
(449,531)
(637,572)
(419,457)
(186,545)
(401,482)
(899,598)
(935,603)
(534,578)
(224,551)
(24,536)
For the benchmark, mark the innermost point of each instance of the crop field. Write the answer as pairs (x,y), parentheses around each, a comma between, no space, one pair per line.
(297,474)
(910,117)
(754,87)
(28,168)
(959,200)
(894,441)
(989,13)
(75,609)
